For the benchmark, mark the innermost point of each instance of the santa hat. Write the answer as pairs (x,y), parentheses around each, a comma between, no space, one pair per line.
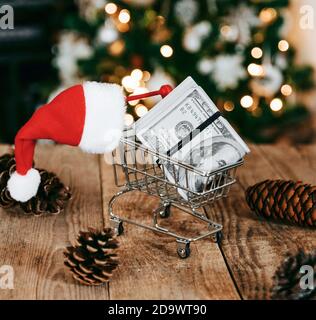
(90,116)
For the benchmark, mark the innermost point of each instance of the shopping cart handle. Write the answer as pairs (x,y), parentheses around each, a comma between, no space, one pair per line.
(163,91)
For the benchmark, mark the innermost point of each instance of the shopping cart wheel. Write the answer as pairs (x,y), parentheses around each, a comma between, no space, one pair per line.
(183,250)
(218,237)
(119,229)
(165,212)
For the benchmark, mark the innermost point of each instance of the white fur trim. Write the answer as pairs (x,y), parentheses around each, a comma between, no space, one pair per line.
(104,122)
(23,188)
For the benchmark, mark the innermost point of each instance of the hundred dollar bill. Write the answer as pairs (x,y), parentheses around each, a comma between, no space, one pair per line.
(187,126)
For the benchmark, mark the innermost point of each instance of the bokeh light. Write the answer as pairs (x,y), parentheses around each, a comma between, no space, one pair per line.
(255,70)
(283,45)
(246,101)
(256,53)
(286,90)
(141,110)
(111,8)
(129,119)
(267,15)
(137,74)
(166,51)
(124,16)
(229,106)
(276,104)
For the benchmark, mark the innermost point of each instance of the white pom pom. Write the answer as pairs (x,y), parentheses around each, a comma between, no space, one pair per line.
(23,188)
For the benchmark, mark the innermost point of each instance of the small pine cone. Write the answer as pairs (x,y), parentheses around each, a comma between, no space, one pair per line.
(52,196)
(7,167)
(287,278)
(284,200)
(93,259)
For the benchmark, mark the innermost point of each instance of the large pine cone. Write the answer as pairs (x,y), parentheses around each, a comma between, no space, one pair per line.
(284,200)
(287,278)
(93,259)
(51,198)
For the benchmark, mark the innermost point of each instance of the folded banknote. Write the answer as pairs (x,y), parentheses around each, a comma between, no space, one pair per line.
(188,127)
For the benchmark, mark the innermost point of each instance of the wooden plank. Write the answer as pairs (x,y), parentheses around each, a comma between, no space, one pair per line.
(308,159)
(34,246)
(253,247)
(149,265)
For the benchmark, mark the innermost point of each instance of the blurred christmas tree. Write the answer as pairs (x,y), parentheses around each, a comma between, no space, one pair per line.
(235,49)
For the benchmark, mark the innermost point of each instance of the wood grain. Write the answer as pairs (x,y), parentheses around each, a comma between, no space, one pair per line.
(150,267)
(34,245)
(242,267)
(253,247)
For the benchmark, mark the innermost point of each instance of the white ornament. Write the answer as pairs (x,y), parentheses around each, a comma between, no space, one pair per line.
(205,66)
(191,43)
(186,11)
(194,36)
(227,71)
(70,48)
(243,18)
(268,85)
(88,9)
(107,33)
(203,28)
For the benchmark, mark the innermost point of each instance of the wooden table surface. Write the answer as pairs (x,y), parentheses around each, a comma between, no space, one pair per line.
(240,268)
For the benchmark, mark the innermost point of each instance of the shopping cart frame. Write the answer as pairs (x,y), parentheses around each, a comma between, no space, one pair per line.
(151,178)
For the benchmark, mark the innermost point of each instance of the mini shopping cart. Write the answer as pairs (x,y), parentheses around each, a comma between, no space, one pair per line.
(137,168)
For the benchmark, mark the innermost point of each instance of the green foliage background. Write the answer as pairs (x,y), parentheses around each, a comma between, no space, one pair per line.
(141,51)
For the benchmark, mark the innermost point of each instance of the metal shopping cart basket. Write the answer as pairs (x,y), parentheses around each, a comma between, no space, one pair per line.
(158,175)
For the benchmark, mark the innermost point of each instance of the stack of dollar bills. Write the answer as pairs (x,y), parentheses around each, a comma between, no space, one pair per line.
(188,127)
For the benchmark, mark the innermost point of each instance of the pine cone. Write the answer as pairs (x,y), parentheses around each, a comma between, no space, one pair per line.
(51,198)
(284,200)
(287,278)
(7,166)
(93,259)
